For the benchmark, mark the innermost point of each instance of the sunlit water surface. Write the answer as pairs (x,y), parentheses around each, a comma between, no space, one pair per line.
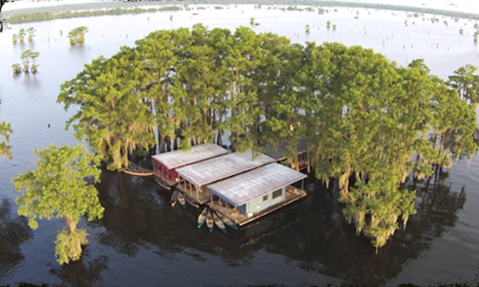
(142,241)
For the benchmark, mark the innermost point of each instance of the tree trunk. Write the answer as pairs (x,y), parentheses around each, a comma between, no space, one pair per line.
(70,224)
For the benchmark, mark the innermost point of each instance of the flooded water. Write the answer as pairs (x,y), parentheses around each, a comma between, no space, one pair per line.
(142,241)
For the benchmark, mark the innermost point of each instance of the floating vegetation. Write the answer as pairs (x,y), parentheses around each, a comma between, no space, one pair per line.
(307,28)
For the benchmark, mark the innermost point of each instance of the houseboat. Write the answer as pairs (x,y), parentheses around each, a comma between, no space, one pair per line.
(195,177)
(256,193)
(279,154)
(166,164)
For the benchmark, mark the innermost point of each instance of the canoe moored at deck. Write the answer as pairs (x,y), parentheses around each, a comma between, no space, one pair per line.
(218,222)
(202,216)
(174,198)
(181,199)
(209,220)
(165,164)
(256,193)
(226,220)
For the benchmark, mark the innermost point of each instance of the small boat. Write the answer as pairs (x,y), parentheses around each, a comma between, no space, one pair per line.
(202,217)
(162,183)
(139,172)
(191,201)
(181,199)
(174,198)
(209,220)
(218,222)
(227,221)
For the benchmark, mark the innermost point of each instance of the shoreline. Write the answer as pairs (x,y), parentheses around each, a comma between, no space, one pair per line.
(98,6)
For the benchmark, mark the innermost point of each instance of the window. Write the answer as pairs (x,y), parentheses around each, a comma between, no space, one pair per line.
(265,197)
(277,193)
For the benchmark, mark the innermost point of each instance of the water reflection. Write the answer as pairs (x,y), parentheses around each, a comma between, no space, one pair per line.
(312,234)
(78,274)
(13,232)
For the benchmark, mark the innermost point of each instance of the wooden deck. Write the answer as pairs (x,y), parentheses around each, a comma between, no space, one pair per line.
(292,194)
(196,197)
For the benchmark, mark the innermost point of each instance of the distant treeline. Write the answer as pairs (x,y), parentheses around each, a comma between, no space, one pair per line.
(120,8)
(46,15)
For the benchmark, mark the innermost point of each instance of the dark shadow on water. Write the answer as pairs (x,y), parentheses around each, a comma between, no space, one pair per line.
(13,232)
(79,274)
(312,233)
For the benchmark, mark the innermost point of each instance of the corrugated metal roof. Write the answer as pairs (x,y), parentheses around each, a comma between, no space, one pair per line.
(244,187)
(279,153)
(178,158)
(222,167)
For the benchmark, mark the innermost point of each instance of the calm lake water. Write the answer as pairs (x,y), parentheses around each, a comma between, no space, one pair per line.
(142,241)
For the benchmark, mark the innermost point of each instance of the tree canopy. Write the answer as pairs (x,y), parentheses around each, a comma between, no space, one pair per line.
(5,148)
(369,122)
(61,186)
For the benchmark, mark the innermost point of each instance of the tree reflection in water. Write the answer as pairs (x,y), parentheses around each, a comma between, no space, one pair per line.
(311,234)
(13,232)
(76,273)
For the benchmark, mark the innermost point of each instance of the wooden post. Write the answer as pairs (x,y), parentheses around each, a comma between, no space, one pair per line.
(302,184)
(197,195)
(236,215)
(309,165)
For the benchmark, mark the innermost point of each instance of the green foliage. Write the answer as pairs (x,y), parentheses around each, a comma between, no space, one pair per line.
(5,131)
(27,57)
(21,35)
(251,20)
(46,15)
(61,186)
(31,33)
(68,246)
(466,82)
(307,28)
(328,25)
(77,35)
(364,117)
(112,117)
(17,69)
(15,38)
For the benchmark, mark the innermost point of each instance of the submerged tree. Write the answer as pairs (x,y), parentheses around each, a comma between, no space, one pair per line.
(21,35)
(466,82)
(77,35)
(5,131)
(369,123)
(26,57)
(61,186)
(112,117)
(17,69)
(31,33)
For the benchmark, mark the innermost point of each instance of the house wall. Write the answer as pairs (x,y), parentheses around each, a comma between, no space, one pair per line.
(161,171)
(260,203)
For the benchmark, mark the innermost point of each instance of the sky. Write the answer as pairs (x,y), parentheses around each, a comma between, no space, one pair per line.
(470,6)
